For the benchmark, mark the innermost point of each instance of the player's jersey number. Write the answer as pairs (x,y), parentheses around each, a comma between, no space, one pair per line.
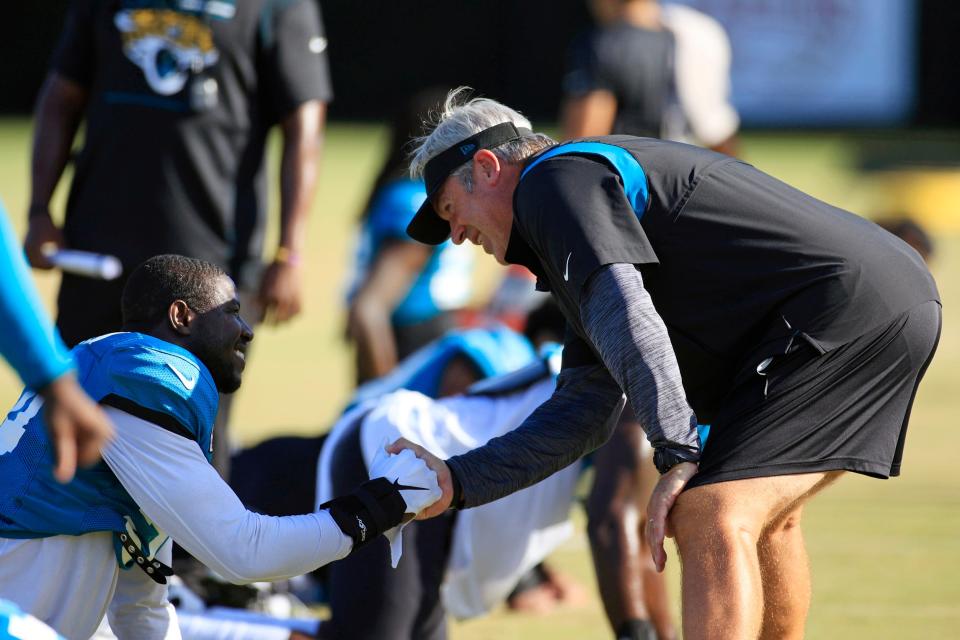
(15,425)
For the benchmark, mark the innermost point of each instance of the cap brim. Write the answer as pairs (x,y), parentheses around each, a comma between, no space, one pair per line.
(427,227)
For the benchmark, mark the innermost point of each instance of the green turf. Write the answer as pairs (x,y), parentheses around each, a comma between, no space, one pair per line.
(885,554)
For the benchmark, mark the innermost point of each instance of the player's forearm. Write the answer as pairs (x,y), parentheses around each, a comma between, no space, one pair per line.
(299,165)
(28,340)
(578,418)
(57,116)
(175,486)
(622,323)
(373,335)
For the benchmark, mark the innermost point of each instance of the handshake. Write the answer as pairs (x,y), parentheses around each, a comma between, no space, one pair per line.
(401,487)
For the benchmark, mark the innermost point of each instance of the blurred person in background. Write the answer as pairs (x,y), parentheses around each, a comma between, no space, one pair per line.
(653,70)
(911,232)
(403,293)
(177,99)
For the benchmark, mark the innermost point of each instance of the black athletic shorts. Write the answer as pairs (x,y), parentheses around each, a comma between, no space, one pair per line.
(808,412)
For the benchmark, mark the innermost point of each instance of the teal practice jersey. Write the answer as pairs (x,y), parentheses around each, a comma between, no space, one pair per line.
(149,378)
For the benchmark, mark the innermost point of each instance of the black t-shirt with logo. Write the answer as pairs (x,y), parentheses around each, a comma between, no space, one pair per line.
(182,96)
(737,263)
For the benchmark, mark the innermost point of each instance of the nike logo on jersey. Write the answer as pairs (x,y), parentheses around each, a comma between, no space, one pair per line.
(187,382)
(566,269)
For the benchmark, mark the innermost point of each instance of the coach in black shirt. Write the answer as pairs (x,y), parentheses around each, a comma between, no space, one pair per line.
(766,341)
(177,98)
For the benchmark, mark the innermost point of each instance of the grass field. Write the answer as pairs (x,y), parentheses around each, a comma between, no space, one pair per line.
(885,555)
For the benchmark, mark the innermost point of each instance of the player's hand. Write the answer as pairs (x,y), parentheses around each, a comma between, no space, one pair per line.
(281,291)
(444,479)
(78,427)
(43,238)
(661,501)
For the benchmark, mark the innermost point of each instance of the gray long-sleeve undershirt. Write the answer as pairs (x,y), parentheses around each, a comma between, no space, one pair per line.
(625,329)
(631,338)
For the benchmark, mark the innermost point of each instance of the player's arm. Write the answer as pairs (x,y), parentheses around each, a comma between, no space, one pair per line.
(57,115)
(32,346)
(302,130)
(296,84)
(173,484)
(368,321)
(589,107)
(591,114)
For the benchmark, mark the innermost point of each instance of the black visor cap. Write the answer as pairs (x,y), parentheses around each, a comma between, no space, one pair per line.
(427,227)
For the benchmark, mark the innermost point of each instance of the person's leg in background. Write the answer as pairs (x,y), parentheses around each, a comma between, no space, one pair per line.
(633,593)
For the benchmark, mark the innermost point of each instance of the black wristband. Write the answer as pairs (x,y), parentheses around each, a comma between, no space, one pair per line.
(636,629)
(368,511)
(665,459)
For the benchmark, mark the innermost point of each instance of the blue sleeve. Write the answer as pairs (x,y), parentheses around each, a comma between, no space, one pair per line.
(394,208)
(168,389)
(28,341)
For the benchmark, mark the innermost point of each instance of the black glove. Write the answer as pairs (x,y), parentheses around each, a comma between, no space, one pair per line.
(372,508)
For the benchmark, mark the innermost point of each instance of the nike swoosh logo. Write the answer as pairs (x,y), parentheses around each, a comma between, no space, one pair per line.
(187,382)
(566,269)
(403,487)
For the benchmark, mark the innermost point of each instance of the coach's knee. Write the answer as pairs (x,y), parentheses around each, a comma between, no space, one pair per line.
(707,523)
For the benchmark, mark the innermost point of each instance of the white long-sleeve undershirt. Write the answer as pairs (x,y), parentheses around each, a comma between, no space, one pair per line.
(170,479)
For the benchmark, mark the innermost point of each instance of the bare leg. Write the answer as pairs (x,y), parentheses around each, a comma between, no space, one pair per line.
(785,570)
(718,528)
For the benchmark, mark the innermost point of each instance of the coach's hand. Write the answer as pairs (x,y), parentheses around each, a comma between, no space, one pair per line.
(281,291)
(42,235)
(78,427)
(439,467)
(661,501)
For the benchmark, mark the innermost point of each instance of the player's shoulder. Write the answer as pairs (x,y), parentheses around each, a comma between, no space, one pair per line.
(151,378)
(545,367)
(395,205)
(687,21)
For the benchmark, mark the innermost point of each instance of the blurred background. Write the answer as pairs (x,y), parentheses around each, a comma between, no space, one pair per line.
(853,101)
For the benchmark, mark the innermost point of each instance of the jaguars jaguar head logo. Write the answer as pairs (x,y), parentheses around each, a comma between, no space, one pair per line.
(167,46)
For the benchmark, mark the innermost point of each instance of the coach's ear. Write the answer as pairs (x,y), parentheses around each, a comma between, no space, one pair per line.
(180,316)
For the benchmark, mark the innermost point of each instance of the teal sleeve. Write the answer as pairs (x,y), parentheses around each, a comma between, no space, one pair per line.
(28,341)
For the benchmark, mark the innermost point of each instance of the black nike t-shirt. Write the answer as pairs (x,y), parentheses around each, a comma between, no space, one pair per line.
(737,263)
(182,96)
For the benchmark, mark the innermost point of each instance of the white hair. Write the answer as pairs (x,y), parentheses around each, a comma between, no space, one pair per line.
(460,117)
